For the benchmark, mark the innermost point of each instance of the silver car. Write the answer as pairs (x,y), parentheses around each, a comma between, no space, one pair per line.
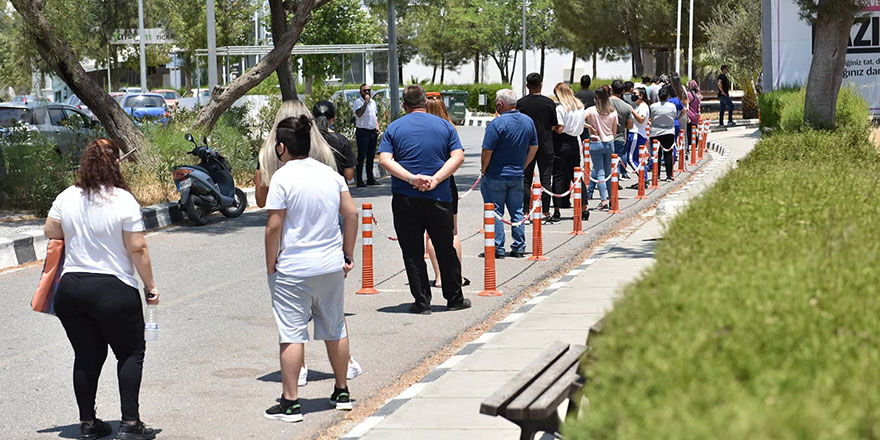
(66,126)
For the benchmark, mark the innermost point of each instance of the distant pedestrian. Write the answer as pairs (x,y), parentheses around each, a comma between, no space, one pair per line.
(602,122)
(268,162)
(566,144)
(511,141)
(628,87)
(97,299)
(654,88)
(682,96)
(693,111)
(436,107)
(724,97)
(366,133)
(421,151)
(325,114)
(542,110)
(588,98)
(663,117)
(307,259)
(624,124)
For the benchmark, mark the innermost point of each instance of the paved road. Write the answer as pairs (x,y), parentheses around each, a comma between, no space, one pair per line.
(216,368)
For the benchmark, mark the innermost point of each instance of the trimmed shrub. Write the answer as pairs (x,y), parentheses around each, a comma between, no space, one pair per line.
(784,109)
(32,173)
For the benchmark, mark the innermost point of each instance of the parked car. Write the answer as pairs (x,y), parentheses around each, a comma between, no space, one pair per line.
(382,95)
(145,107)
(76,102)
(66,126)
(130,90)
(171,97)
(351,95)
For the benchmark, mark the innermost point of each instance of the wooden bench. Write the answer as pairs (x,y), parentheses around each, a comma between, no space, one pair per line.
(530,398)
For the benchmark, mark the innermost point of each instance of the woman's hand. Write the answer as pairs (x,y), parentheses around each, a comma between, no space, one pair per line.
(152,295)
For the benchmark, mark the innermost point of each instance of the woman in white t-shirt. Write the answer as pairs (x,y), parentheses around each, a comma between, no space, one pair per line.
(639,133)
(566,144)
(602,122)
(97,299)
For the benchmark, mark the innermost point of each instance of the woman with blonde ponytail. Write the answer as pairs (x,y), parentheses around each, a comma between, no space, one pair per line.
(268,162)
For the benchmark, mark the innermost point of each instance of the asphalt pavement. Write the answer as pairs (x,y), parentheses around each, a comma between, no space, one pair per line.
(215,369)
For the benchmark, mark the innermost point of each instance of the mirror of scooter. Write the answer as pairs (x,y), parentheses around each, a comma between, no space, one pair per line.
(190,138)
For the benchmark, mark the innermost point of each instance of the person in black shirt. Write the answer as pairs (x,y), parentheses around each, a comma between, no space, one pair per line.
(724,97)
(542,110)
(585,94)
(325,114)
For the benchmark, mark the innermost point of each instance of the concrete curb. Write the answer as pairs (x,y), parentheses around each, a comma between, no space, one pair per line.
(31,245)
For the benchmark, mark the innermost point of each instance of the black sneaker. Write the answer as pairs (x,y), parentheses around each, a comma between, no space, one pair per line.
(464,304)
(135,431)
(372,182)
(419,310)
(95,430)
(517,254)
(361,185)
(286,411)
(341,399)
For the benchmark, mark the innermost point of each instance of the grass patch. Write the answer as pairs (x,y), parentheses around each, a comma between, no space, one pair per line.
(759,319)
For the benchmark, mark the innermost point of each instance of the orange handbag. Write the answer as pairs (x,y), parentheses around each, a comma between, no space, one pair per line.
(44,297)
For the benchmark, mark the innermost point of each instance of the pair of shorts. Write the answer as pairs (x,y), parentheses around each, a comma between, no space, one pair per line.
(296,299)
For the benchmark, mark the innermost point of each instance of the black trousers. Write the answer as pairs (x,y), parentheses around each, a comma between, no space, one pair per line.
(691,131)
(566,149)
(98,310)
(545,169)
(666,142)
(413,216)
(366,145)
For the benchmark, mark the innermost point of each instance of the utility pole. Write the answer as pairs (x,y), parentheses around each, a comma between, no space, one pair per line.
(143,48)
(524,89)
(691,42)
(678,40)
(393,80)
(212,47)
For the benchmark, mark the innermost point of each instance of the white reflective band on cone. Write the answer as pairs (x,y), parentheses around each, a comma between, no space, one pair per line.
(488,214)
(577,196)
(367,213)
(489,228)
(490,242)
(367,227)
(368,241)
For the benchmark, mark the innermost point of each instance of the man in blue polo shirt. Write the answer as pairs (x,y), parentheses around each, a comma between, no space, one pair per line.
(421,151)
(510,142)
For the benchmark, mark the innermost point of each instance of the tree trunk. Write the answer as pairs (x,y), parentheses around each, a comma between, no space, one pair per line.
(574,59)
(638,65)
(442,69)
(826,69)
(477,68)
(65,63)
(543,50)
(501,68)
(595,56)
(286,80)
(223,98)
(309,82)
(434,74)
(400,81)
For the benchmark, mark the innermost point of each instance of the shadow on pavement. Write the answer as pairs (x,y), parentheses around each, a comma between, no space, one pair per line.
(219,225)
(72,431)
(404,308)
(314,375)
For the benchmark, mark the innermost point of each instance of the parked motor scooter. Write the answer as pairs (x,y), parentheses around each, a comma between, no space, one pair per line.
(208,186)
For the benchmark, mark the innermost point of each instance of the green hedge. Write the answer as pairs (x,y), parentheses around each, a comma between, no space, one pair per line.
(784,109)
(759,319)
(32,173)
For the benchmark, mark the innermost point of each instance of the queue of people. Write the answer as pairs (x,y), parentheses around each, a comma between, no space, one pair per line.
(312,221)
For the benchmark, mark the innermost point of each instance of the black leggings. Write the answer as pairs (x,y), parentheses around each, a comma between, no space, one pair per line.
(666,141)
(566,156)
(97,310)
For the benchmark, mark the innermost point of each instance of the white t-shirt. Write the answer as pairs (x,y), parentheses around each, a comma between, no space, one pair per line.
(572,122)
(369,120)
(308,191)
(93,231)
(642,129)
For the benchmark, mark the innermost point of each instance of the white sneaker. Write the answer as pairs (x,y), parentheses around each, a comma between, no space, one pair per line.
(303,376)
(354,369)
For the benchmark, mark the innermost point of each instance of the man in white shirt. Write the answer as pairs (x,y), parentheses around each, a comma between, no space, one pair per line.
(306,260)
(366,123)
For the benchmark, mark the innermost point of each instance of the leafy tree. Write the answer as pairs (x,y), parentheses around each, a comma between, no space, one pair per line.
(542,29)
(501,32)
(832,21)
(340,22)
(438,36)
(15,54)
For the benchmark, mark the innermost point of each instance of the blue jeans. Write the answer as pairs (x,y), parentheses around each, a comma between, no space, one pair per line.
(726,103)
(620,149)
(600,166)
(509,192)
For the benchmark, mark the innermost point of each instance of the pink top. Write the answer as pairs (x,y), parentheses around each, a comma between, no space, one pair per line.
(693,108)
(603,126)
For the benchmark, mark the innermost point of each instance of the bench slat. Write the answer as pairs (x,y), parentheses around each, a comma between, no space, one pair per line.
(550,400)
(520,407)
(514,386)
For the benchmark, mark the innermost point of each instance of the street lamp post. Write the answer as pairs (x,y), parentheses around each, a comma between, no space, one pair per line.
(691,42)
(678,40)
(143,49)
(393,80)
(212,47)
(524,90)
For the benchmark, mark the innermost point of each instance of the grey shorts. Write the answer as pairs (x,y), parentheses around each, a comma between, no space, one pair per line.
(296,299)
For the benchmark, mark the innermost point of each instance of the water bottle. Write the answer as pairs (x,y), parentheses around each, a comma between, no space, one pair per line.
(151,324)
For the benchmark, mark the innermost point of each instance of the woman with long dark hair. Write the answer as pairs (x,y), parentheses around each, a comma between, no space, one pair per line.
(97,299)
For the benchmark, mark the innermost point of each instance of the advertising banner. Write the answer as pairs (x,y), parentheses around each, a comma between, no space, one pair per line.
(791,47)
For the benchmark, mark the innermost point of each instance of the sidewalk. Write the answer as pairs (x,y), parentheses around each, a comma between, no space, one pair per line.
(446,402)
